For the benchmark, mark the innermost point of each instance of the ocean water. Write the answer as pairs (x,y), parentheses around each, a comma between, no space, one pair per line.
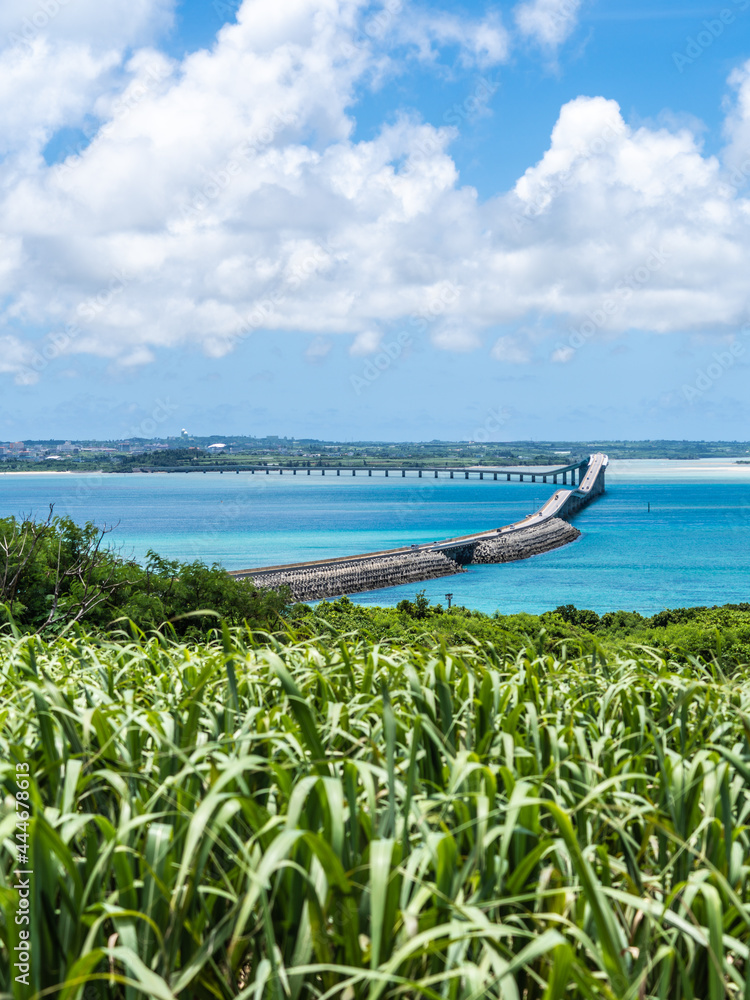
(692,547)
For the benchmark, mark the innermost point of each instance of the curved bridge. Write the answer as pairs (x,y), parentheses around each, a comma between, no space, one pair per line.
(542,531)
(521,473)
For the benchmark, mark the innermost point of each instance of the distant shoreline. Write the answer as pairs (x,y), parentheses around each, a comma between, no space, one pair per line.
(733,466)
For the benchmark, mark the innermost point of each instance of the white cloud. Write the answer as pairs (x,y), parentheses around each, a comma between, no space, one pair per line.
(562,355)
(60,58)
(43,88)
(226,194)
(482,42)
(510,351)
(547,22)
(319,349)
(366,342)
(737,127)
(129,22)
(16,359)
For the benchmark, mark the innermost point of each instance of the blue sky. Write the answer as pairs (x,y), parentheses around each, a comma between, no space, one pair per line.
(385,221)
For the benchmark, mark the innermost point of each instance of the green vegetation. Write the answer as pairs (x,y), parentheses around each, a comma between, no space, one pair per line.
(341,820)
(189,453)
(360,803)
(54,574)
(720,633)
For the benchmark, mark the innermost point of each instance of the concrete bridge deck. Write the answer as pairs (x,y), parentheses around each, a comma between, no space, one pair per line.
(535,533)
(524,474)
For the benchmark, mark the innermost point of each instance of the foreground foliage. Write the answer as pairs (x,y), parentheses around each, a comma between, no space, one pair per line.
(357,821)
(55,573)
(718,633)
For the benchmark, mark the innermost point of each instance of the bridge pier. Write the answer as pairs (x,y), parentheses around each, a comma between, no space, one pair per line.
(481,475)
(533,479)
(386,473)
(507,477)
(420,473)
(354,472)
(466,475)
(403,473)
(520,478)
(338,472)
(369,472)
(435,473)
(451,473)
(565,478)
(308,472)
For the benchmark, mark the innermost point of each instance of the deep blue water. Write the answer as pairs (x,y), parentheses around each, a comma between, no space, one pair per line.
(692,548)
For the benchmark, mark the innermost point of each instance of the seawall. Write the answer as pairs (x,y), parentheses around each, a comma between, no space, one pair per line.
(540,532)
(357,575)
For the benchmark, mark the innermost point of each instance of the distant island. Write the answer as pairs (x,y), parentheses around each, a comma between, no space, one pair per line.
(228,451)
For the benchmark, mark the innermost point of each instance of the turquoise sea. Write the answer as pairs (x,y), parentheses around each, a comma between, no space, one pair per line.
(693,547)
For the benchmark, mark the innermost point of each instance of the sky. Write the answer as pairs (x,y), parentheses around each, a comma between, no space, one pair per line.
(375,221)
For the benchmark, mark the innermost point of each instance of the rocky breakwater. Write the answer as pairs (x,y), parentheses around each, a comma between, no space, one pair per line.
(353,576)
(541,532)
(521,543)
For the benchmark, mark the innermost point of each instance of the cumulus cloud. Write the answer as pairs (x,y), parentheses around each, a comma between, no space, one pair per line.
(549,23)
(15,358)
(227,193)
(737,126)
(482,42)
(91,22)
